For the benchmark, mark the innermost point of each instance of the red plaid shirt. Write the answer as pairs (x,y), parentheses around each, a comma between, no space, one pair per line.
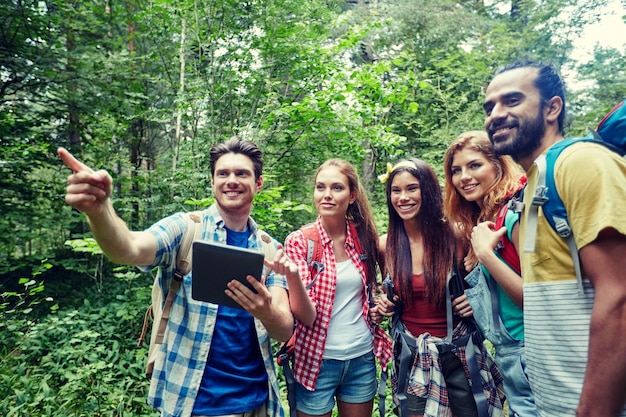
(310,341)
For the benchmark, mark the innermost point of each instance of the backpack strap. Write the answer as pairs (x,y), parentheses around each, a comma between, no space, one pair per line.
(507,252)
(505,247)
(455,281)
(539,198)
(547,197)
(283,359)
(408,345)
(474,370)
(382,388)
(314,252)
(183,266)
(454,288)
(286,351)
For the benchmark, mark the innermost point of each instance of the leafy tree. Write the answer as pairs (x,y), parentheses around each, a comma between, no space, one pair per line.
(145,89)
(604,78)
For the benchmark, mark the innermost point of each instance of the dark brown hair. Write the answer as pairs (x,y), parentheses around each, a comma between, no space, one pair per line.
(238,146)
(437,236)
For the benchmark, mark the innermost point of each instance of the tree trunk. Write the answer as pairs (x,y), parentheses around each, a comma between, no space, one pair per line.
(137,129)
(180,101)
(517,12)
(73,118)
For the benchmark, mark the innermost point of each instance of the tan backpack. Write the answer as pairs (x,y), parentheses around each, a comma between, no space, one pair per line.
(160,314)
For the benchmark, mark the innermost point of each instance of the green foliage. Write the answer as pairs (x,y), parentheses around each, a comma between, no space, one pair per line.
(20,309)
(79,362)
(603,80)
(144,90)
(275,214)
(92,265)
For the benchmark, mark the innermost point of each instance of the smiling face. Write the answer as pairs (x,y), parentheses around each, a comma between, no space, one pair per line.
(332,194)
(515,121)
(406,195)
(472,174)
(234,184)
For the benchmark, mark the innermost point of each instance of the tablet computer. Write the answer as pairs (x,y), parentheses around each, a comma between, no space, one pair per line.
(214,265)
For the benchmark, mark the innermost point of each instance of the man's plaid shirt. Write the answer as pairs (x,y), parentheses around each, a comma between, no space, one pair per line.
(182,357)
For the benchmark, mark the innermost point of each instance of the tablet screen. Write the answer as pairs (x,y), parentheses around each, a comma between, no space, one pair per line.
(214,265)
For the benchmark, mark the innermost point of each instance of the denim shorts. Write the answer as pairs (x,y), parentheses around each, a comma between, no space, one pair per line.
(351,381)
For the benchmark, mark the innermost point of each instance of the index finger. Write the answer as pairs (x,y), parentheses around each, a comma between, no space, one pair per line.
(269,267)
(71,162)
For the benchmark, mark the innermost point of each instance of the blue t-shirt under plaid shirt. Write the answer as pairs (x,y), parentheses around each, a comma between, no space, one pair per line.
(233,386)
(181,360)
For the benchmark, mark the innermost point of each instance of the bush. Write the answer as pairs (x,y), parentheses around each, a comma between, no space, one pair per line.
(78,362)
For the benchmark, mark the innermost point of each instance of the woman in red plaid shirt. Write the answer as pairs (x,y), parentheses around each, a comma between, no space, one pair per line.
(329,366)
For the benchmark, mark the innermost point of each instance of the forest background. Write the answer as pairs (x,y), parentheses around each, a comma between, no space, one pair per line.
(144,88)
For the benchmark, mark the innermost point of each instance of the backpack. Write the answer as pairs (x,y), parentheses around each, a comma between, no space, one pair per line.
(611,133)
(506,249)
(465,390)
(159,310)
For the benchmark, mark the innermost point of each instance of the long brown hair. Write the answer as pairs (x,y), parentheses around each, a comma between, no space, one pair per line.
(466,214)
(360,213)
(437,236)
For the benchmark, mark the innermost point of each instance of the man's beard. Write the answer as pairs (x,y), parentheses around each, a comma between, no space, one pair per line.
(528,139)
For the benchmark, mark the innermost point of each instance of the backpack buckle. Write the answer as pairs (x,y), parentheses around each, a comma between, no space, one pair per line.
(178,275)
(540,197)
(319,268)
(516,206)
(562,227)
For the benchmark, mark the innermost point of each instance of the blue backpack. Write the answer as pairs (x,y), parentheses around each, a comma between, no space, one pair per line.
(611,133)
